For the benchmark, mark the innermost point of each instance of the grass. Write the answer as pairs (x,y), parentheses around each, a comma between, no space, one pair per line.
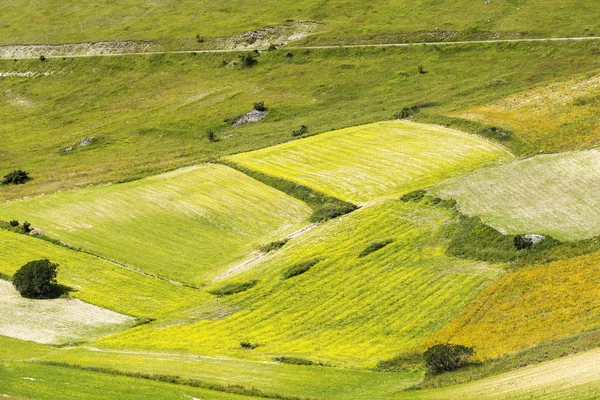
(199,220)
(550,194)
(352,21)
(57,321)
(346,310)
(150,114)
(562,117)
(528,307)
(376,161)
(233,288)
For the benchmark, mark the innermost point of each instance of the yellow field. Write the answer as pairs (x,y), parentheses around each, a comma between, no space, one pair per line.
(376,161)
(530,306)
(556,117)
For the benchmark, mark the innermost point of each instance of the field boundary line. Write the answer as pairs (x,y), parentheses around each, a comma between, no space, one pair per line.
(323,47)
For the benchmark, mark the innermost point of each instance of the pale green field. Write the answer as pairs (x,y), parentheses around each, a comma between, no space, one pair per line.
(105,284)
(187,225)
(376,161)
(555,195)
(345,310)
(56,321)
(569,378)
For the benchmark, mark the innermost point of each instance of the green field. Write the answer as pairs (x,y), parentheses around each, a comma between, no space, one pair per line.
(150,114)
(376,161)
(198,220)
(345,310)
(57,321)
(554,195)
(347,21)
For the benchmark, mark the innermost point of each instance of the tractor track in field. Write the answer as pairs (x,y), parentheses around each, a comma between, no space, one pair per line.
(24,52)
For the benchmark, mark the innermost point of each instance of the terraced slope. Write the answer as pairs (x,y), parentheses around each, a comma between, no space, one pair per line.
(570,378)
(56,321)
(346,308)
(376,161)
(187,224)
(556,117)
(530,306)
(103,283)
(553,194)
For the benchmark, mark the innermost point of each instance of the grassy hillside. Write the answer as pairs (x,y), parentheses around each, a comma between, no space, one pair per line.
(56,321)
(550,194)
(530,306)
(569,378)
(345,308)
(554,117)
(148,114)
(376,161)
(103,283)
(349,20)
(187,225)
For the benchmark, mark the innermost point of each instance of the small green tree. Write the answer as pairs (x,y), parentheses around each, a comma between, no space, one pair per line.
(447,357)
(37,280)
(15,177)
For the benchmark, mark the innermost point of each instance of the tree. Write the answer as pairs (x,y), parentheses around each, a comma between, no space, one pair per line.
(447,357)
(37,280)
(15,177)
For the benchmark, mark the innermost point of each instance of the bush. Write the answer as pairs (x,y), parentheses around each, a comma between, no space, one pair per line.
(16,177)
(295,361)
(374,247)
(272,47)
(199,39)
(415,196)
(248,60)
(37,280)
(14,223)
(447,357)
(42,58)
(406,112)
(248,345)
(260,106)
(233,288)
(27,227)
(421,69)
(210,134)
(332,209)
(522,243)
(273,246)
(299,269)
(301,131)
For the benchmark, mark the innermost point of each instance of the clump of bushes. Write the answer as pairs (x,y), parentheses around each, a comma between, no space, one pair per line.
(199,38)
(248,60)
(248,345)
(15,226)
(16,177)
(415,196)
(406,112)
(332,209)
(300,268)
(303,130)
(273,245)
(260,106)
(447,357)
(295,361)
(374,247)
(233,288)
(37,280)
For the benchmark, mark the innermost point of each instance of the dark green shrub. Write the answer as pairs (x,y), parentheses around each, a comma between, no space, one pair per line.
(232,288)
(260,106)
(415,196)
(27,227)
(211,136)
(421,69)
(521,243)
(16,177)
(273,245)
(406,112)
(289,55)
(447,357)
(199,39)
(272,47)
(248,60)
(332,209)
(37,280)
(248,345)
(300,131)
(14,223)
(300,268)
(294,361)
(42,58)
(374,247)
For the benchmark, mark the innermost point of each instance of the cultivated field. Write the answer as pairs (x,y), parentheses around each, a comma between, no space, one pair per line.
(352,21)
(57,321)
(187,225)
(570,378)
(554,195)
(346,309)
(530,306)
(376,161)
(556,117)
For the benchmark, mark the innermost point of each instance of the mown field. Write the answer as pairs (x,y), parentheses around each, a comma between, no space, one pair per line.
(347,21)
(345,309)
(150,114)
(555,117)
(57,321)
(186,225)
(554,195)
(530,306)
(376,161)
